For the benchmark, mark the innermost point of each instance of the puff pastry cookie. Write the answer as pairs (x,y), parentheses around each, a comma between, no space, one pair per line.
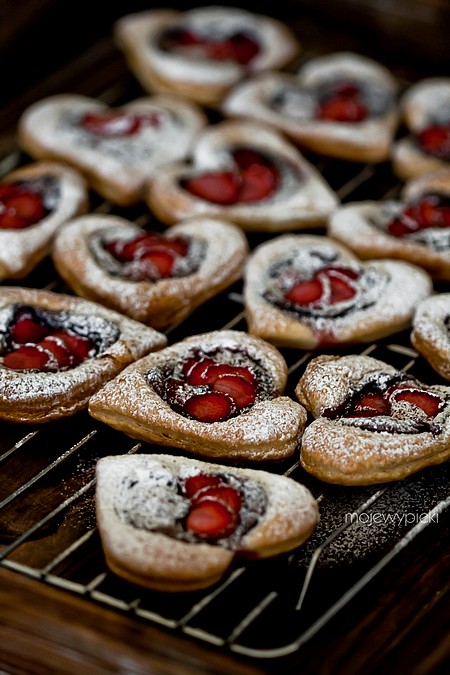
(153,278)
(310,292)
(248,174)
(177,524)
(431,332)
(119,150)
(217,395)
(374,423)
(415,228)
(35,201)
(426,112)
(57,350)
(201,53)
(341,105)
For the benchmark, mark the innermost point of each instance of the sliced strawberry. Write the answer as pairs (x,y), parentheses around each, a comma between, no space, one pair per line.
(433,211)
(305,292)
(370,405)
(162,260)
(209,407)
(182,37)
(220,187)
(20,207)
(349,272)
(27,329)
(79,347)
(56,347)
(197,374)
(435,140)
(342,109)
(258,182)
(340,289)
(222,493)
(113,124)
(239,389)
(401,227)
(244,158)
(244,48)
(194,484)
(211,519)
(431,404)
(219,50)
(28,357)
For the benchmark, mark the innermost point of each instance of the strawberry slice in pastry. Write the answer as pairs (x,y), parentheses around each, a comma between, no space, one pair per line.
(160,532)
(340,105)
(155,278)
(415,228)
(247,174)
(203,52)
(310,292)
(118,150)
(35,201)
(426,112)
(373,423)
(216,395)
(57,350)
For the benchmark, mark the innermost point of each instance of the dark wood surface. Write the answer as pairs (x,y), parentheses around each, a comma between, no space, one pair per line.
(401,622)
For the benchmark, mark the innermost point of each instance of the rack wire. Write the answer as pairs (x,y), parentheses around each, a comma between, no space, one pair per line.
(264,609)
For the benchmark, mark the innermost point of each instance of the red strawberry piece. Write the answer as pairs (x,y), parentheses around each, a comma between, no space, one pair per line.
(220,187)
(182,37)
(211,519)
(305,292)
(161,260)
(340,289)
(209,407)
(246,157)
(244,48)
(433,212)
(27,329)
(220,369)
(431,404)
(57,348)
(28,357)
(222,493)
(346,271)
(21,208)
(219,50)
(239,389)
(346,89)
(258,182)
(342,109)
(401,227)
(370,405)
(194,484)
(78,346)
(435,140)
(117,124)
(196,376)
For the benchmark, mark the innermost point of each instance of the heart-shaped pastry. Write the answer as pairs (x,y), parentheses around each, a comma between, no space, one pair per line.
(119,150)
(248,174)
(216,395)
(431,332)
(35,201)
(374,423)
(426,112)
(203,52)
(57,350)
(177,524)
(155,278)
(415,228)
(340,105)
(310,292)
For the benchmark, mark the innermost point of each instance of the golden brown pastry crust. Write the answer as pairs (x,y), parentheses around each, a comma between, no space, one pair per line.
(404,286)
(430,334)
(118,168)
(22,250)
(160,303)
(163,563)
(35,397)
(422,104)
(366,141)
(202,80)
(269,430)
(358,226)
(342,453)
(302,200)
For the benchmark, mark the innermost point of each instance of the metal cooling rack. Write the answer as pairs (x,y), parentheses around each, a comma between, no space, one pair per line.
(265,609)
